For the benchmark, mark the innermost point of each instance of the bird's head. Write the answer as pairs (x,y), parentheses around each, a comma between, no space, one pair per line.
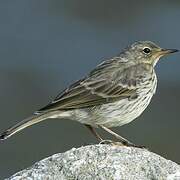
(146,52)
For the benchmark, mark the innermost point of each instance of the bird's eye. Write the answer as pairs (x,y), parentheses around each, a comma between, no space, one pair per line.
(146,50)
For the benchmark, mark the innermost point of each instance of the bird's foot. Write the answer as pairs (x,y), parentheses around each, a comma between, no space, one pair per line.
(106,141)
(118,143)
(129,144)
(134,145)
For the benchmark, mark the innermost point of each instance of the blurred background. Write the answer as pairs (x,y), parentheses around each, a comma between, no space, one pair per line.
(47,44)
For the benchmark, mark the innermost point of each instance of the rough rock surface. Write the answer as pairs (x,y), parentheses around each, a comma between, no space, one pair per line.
(102,162)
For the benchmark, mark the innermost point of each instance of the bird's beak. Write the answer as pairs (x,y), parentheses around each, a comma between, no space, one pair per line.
(164,52)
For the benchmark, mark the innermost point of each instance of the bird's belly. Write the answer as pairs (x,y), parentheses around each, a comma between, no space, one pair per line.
(114,114)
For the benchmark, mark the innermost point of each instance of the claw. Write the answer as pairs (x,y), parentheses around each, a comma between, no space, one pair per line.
(117,143)
(4,135)
(106,141)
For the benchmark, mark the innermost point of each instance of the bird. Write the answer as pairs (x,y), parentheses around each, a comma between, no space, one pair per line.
(114,93)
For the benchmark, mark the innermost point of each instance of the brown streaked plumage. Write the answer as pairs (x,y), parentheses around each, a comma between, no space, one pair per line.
(113,94)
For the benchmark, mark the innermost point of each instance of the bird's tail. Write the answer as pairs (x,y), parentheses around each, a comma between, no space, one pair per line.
(23,124)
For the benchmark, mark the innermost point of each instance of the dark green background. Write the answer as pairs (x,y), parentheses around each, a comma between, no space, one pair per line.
(47,44)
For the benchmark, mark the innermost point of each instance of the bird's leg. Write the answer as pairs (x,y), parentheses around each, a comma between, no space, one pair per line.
(94,132)
(120,138)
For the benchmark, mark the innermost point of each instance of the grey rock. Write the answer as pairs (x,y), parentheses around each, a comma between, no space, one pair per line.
(99,162)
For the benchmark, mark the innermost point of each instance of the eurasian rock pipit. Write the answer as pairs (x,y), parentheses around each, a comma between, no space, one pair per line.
(113,94)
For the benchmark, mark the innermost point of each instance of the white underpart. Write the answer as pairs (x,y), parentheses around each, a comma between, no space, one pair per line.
(155,61)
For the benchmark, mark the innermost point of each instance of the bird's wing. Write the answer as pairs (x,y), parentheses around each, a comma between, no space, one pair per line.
(96,89)
(86,95)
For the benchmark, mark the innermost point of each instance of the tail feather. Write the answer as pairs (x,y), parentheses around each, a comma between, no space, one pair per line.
(23,124)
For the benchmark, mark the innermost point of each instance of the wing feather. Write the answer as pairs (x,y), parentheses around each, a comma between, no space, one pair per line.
(96,89)
(83,96)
